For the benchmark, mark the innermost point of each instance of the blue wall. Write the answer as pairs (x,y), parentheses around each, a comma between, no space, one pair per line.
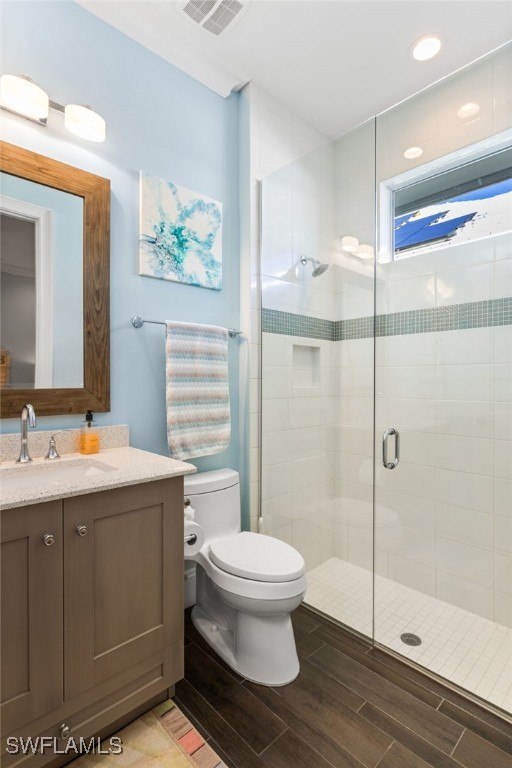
(161,121)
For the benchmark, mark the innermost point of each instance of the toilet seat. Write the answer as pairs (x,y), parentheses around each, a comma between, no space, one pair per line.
(257,557)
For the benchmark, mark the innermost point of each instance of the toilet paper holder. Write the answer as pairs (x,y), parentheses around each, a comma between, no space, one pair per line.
(190,538)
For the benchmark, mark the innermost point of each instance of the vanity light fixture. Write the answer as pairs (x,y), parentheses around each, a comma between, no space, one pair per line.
(84,122)
(413,152)
(468,110)
(19,94)
(349,244)
(426,47)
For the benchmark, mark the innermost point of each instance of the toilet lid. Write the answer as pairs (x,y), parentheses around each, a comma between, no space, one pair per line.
(258,557)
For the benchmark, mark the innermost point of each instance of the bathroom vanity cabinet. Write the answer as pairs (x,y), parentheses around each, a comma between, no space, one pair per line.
(91,612)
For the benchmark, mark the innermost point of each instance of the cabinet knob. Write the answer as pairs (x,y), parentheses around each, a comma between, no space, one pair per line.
(49,539)
(81,530)
(64,731)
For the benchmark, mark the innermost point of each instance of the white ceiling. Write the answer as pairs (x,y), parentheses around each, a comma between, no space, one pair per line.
(333,62)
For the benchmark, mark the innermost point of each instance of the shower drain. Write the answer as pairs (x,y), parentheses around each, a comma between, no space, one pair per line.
(409,639)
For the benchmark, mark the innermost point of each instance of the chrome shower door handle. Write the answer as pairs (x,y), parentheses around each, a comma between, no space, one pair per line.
(390,464)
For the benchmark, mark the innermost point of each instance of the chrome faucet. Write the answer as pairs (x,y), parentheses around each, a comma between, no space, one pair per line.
(27,413)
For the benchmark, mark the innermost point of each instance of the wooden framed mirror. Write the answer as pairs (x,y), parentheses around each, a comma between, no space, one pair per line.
(92,388)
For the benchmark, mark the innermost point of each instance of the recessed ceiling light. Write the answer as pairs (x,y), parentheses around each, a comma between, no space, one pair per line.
(468,110)
(413,152)
(426,48)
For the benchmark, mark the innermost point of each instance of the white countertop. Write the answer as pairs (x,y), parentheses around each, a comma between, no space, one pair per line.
(75,474)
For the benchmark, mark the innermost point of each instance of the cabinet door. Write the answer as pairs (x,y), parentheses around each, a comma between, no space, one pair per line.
(31,613)
(123,566)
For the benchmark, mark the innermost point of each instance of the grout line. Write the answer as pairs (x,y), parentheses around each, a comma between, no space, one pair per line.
(458,741)
(228,725)
(312,652)
(429,676)
(385,753)
(297,733)
(411,731)
(274,740)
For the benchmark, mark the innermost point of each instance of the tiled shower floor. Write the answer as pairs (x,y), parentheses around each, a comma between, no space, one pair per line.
(466,649)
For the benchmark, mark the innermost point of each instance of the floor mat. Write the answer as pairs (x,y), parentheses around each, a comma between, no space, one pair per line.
(162,738)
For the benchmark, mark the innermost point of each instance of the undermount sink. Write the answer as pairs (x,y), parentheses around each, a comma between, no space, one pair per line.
(52,473)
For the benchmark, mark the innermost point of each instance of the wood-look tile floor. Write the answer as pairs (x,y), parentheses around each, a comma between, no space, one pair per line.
(351,706)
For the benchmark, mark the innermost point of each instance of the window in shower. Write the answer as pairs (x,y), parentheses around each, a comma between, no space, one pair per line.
(471,202)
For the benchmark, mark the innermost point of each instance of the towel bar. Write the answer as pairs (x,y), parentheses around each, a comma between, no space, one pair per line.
(138,322)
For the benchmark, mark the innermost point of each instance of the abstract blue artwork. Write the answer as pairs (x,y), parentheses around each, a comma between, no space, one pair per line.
(180,234)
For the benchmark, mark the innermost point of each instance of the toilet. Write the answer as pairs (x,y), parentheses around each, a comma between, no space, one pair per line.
(247,584)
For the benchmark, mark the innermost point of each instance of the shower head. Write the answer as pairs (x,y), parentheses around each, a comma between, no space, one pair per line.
(318,267)
(320,270)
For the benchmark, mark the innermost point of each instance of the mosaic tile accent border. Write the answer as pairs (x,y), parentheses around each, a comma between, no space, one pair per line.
(455,317)
(274,321)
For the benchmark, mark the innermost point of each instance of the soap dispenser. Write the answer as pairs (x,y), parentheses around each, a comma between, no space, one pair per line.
(89,435)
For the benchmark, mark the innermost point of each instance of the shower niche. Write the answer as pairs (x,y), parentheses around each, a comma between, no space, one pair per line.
(306,366)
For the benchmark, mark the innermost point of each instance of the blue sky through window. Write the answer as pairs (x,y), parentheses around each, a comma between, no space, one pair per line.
(473,215)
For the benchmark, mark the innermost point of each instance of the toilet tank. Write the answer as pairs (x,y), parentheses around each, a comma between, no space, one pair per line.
(215,497)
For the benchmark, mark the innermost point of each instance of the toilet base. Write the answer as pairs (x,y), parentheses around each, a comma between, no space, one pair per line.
(260,648)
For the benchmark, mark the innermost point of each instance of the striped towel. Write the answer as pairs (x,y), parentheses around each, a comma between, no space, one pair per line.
(198,417)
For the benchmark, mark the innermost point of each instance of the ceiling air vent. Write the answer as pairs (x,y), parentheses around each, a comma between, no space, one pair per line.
(213,15)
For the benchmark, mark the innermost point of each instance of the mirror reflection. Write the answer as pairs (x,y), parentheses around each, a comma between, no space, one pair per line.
(41,294)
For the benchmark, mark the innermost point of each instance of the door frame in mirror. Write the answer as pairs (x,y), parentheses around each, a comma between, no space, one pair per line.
(95,192)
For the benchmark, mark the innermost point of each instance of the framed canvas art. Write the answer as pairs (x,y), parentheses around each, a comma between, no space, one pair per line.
(180,234)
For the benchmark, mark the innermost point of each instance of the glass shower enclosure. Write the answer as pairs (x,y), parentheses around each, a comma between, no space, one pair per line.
(386,413)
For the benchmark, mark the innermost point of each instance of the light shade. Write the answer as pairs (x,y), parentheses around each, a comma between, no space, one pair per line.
(21,95)
(426,48)
(413,152)
(84,122)
(349,244)
(365,251)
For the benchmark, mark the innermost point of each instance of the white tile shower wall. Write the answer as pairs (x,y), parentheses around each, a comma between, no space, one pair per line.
(277,137)
(446,512)
(297,471)
(298,382)
(297,203)
(453,484)
(353,415)
(297,444)
(353,457)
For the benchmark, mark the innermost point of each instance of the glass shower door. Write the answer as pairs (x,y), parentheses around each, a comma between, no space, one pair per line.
(443,355)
